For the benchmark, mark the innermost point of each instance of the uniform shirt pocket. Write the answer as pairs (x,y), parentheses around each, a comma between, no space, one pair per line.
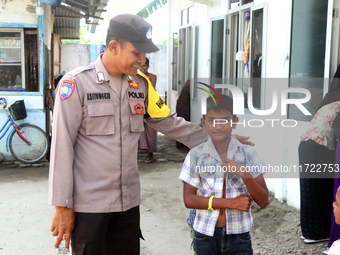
(100,119)
(136,117)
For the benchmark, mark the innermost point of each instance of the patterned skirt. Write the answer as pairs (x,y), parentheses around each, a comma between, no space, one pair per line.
(316,195)
(148,139)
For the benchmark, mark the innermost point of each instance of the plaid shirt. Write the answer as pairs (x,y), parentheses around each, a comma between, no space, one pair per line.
(198,171)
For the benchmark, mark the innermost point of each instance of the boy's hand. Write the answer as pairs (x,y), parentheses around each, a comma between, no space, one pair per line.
(233,167)
(242,203)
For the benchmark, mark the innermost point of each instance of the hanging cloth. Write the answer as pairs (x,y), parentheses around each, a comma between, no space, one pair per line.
(156,107)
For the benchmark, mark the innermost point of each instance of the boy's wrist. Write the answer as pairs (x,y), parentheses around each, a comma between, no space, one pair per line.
(229,203)
(245,175)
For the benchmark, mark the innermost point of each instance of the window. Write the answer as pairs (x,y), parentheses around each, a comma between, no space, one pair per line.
(217,48)
(31,60)
(186,55)
(11,59)
(184,44)
(174,60)
(18,59)
(256,56)
(236,3)
(307,56)
(240,32)
(187,16)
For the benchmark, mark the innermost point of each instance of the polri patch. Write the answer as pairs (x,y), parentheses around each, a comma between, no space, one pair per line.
(139,108)
(66,89)
(133,84)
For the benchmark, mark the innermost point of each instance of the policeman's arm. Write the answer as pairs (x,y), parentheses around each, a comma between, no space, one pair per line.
(67,119)
(175,127)
(179,129)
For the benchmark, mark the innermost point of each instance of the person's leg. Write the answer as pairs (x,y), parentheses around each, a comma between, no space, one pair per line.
(315,193)
(123,233)
(238,244)
(149,157)
(205,245)
(89,234)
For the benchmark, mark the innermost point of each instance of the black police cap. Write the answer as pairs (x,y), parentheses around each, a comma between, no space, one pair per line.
(134,29)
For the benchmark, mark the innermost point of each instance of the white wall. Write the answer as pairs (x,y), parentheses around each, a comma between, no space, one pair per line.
(158,66)
(74,55)
(18,12)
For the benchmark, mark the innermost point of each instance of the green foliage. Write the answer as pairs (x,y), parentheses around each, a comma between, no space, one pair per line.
(164,42)
(175,42)
(151,7)
(81,40)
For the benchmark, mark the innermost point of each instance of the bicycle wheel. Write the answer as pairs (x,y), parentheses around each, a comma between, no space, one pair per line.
(29,153)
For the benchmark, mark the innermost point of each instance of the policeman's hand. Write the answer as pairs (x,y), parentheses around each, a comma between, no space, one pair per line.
(244,140)
(242,203)
(63,223)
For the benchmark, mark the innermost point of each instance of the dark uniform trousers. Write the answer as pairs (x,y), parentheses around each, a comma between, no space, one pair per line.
(114,233)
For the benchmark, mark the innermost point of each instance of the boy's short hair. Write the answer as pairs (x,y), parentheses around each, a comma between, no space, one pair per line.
(147,61)
(227,104)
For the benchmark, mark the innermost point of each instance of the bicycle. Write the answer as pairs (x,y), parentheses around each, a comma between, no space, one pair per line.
(26,142)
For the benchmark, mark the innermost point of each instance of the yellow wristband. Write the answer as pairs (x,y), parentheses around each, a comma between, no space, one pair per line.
(210,203)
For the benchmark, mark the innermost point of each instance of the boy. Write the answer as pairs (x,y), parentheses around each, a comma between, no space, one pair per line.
(228,178)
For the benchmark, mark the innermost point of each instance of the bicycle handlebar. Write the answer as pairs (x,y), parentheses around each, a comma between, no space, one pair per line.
(3,102)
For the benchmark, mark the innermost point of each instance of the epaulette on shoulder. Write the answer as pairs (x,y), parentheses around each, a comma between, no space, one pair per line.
(144,76)
(141,74)
(81,69)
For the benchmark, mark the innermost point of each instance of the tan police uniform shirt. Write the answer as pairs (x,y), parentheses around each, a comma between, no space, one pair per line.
(93,165)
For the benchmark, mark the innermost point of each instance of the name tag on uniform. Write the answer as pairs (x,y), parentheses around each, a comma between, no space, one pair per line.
(98,96)
(135,95)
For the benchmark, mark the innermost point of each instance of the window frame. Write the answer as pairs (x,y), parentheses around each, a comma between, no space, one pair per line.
(22,53)
(186,60)
(228,68)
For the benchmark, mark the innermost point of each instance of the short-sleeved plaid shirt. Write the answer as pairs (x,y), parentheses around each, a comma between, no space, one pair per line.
(202,169)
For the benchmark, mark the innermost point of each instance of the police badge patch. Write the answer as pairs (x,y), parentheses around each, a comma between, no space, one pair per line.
(133,84)
(139,108)
(66,89)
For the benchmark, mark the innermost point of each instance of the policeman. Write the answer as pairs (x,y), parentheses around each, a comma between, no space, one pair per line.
(99,111)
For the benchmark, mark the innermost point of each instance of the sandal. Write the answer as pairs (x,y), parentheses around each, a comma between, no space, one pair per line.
(148,159)
(308,241)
